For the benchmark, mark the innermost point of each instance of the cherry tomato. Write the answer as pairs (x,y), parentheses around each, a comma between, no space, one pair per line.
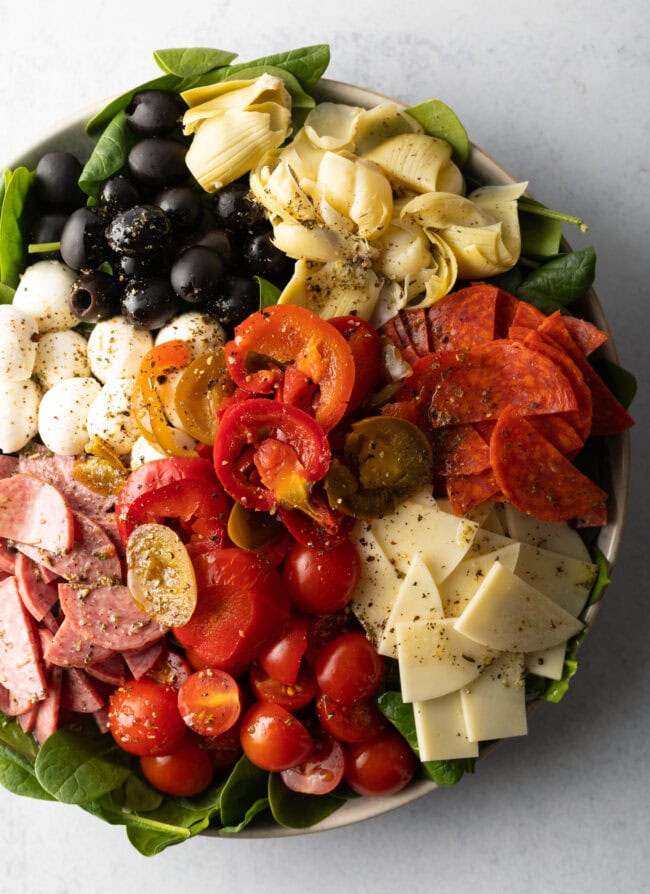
(322,630)
(225,750)
(242,609)
(321,772)
(171,669)
(382,766)
(291,696)
(321,581)
(144,717)
(209,702)
(288,333)
(183,772)
(365,345)
(349,669)
(274,739)
(350,723)
(282,660)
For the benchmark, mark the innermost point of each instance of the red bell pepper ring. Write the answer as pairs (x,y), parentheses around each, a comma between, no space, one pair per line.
(266,453)
(365,345)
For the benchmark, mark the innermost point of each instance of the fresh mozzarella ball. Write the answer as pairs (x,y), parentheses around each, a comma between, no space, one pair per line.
(63,413)
(44,292)
(59,356)
(144,452)
(110,417)
(116,349)
(18,414)
(201,331)
(18,337)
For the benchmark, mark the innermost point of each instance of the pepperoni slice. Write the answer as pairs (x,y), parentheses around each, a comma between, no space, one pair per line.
(477,385)
(467,491)
(35,513)
(460,450)
(506,308)
(587,336)
(415,323)
(535,477)
(108,617)
(527,315)
(462,320)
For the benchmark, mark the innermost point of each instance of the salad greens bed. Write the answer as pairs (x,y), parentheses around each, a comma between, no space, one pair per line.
(78,765)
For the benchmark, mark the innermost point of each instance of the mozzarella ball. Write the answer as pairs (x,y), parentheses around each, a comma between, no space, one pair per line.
(44,292)
(63,413)
(144,452)
(201,331)
(18,337)
(110,417)
(59,356)
(19,402)
(116,349)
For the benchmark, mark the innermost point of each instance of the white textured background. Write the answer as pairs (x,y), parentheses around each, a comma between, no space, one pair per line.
(558,92)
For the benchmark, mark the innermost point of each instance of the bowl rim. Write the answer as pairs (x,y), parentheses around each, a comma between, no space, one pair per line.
(70,130)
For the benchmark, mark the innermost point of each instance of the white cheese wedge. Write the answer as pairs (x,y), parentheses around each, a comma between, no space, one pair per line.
(565,580)
(488,542)
(495,520)
(547,663)
(440,729)
(555,536)
(461,585)
(494,704)
(507,614)
(417,599)
(378,586)
(435,659)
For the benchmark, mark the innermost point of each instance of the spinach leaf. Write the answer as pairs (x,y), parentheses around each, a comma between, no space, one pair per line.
(20,781)
(602,578)
(256,808)
(560,281)
(245,785)
(76,768)
(307,64)
(531,206)
(449,772)
(557,689)
(269,293)
(509,281)
(622,383)
(108,156)
(295,810)
(15,744)
(12,252)
(438,120)
(299,98)
(176,820)
(139,796)
(540,235)
(191,61)
(99,121)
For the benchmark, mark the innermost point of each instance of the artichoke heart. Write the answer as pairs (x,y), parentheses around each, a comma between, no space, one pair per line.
(333,289)
(331,125)
(438,210)
(205,102)
(404,250)
(376,125)
(357,190)
(418,162)
(274,185)
(431,284)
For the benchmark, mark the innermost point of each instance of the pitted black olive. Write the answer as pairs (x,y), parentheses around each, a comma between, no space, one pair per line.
(235,210)
(83,244)
(149,303)
(118,194)
(127,267)
(56,182)
(239,297)
(197,275)
(217,240)
(182,206)
(263,259)
(95,296)
(139,230)
(154,113)
(158,162)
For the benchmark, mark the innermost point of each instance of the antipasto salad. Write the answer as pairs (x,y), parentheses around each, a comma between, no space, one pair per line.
(301,468)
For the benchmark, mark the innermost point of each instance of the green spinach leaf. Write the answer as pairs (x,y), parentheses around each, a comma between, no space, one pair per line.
(307,64)
(108,156)
(557,689)
(12,251)
(299,98)
(254,810)
(176,820)
(438,120)
(191,61)
(139,796)
(532,206)
(540,236)
(20,781)
(295,810)
(99,121)
(622,383)
(560,281)
(245,785)
(269,293)
(14,743)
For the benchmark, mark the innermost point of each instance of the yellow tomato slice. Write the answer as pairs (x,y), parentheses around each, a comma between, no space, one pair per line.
(200,390)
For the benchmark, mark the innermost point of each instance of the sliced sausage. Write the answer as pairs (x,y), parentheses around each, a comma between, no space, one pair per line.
(47,719)
(70,649)
(140,662)
(108,617)
(38,597)
(21,671)
(57,470)
(78,693)
(36,513)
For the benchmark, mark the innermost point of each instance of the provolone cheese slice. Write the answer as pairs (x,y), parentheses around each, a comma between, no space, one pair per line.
(558,537)
(440,729)
(565,580)
(457,589)
(417,600)
(548,663)
(378,586)
(494,704)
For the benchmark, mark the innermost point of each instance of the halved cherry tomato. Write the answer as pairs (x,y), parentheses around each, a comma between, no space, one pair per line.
(382,766)
(292,696)
(282,660)
(321,581)
(365,344)
(185,771)
(349,669)
(350,723)
(144,717)
(274,739)
(177,487)
(242,608)
(288,333)
(209,701)
(171,669)
(321,772)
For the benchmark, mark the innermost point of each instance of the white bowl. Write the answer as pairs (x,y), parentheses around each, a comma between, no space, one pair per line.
(70,134)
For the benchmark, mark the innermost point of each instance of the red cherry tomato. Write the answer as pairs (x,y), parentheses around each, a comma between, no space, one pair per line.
(382,766)
(144,717)
(365,345)
(282,660)
(171,669)
(322,630)
(348,669)
(321,581)
(209,702)
(321,772)
(274,739)
(225,750)
(291,696)
(242,608)
(350,723)
(183,772)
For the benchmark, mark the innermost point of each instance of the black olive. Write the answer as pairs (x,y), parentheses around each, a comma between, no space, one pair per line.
(236,211)
(48,229)
(83,246)
(197,275)
(263,259)
(154,113)
(149,303)
(118,194)
(158,162)
(95,296)
(56,182)
(127,267)
(217,240)
(182,206)
(138,230)
(238,299)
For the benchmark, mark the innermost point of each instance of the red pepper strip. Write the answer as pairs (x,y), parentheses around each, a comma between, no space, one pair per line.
(298,454)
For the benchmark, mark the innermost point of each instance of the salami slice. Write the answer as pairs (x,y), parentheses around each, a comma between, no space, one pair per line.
(108,617)
(35,513)
(467,491)
(70,649)
(111,671)
(78,693)
(462,320)
(47,718)
(554,428)
(8,465)
(457,388)
(12,706)
(535,477)
(527,315)
(27,720)
(57,470)
(7,559)
(38,597)
(21,671)
(506,308)
(142,661)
